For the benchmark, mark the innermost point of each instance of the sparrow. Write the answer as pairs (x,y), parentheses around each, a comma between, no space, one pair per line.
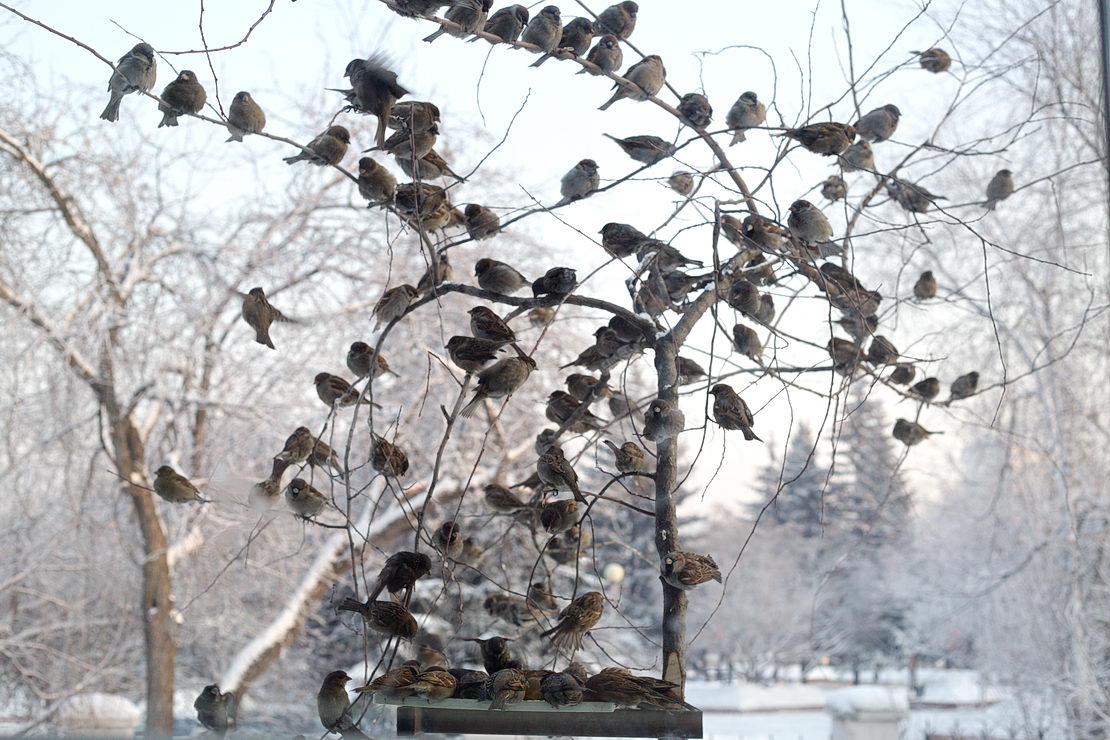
(561,405)
(410,143)
(622,240)
(135,71)
(541,316)
(834,188)
(858,326)
(505,687)
(393,304)
(857,157)
(507,23)
(259,314)
(619,686)
(512,610)
(826,138)
(559,516)
(561,689)
(575,39)
(646,77)
(903,374)
(747,112)
(963,386)
(215,710)
(606,55)
(934,60)
(173,487)
(362,361)
(335,391)
(926,389)
(645,149)
(759,271)
(244,117)
(661,422)
(766,312)
(485,324)
(413,114)
(500,380)
(301,446)
(618,20)
(581,180)
(429,167)
(763,233)
(470,14)
(182,96)
(303,499)
(746,342)
(910,433)
(567,547)
(879,124)
(412,8)
(263,494)
(664,256)
(695,110)
(882,351)
(558,281)
(375,90)
(498,277)
(731,412)
(576,620)
(539,597)
(629,457)
(387,458)
(544,440)
(434,684)
(591,359)
(544,29)
(684,570)
(327,148)
(843,351)
(502,500)
(471,354)
(448,540)
(387,617)
(393,684)
(400,573)
(334,706)
(582,387)
(443,274)
(626,330)
(375,183)
(925,287)
(912,197)
(481,222)
(681,182)
(744,297)
(556,470)
(999,188)
(688,370)
(496,653)
(808,224)
(469,684)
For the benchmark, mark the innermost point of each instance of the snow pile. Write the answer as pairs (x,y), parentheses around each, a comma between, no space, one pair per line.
(866,699)
(99,712)
(710,696)
(958,687)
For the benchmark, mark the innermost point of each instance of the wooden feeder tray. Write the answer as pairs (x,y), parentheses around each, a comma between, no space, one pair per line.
(588,719)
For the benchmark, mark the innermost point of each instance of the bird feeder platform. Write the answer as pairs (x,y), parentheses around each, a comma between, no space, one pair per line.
(588,719)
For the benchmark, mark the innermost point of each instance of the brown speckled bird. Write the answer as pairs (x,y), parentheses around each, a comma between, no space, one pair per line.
(925,287)
(629,457)
(387,458)
(485,324)
(555,470)
(926,389)
(999,188)
(244,117)
(136,71)
(393,304)
(173,487)
(684,570)
(362,361)
(334,706)
(731,412)
(387,617)
(695,110)
(303,499)
(747,112)
(645,149)
(471,354)
(661,422)
(500,380)
(182,96)
(878,124)
(559,516)
(606,55)
(400,573)
(259,315)
(935,60)
(393,684)
(561,689)
(328,148)
(903,374)
(964,386)
(578,618)
(882,351)
(618,20)
(505,687)
(498,277)
(647,77)
(375,89)
(334,391)
(826,138)
(746,342)
(911,433)
(561,406)
(375,182)
(500,499)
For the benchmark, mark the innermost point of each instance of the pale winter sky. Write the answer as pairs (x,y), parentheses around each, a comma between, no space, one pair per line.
(302,47)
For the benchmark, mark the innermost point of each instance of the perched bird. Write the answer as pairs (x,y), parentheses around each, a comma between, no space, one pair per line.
(910,433)
(539,597)
(471,354)
(882,351)
(334,391)
(216,710)
(744,297)
(387,617)
(263,494)
(400,573)
(512,610)
(135,71)
(558,281)
(375,183)
(746,342)
(429,167)
(469,684)
(963,386)
(999,188)
(843,352)
(375,90)
(413,114)
(925,287)
(448,540)
(561,406)
(303,499)
(541,316)
(766,312)
(731,412)
(411,144)
(500,380)
(684,570)
(412,8)
(505,687)
(857,157)
(586,386)
(443,273)
(574,39)
(481,222)
(606,55)
(911,196)
(926,389)
(688,370)
(470,14)
(334,706)
(393,684)
(681,182)
(434,684)
(622,240)
(661,422)
(903,374)
(695,110)
(629,457)
(879,124)
(559,516)
(808,224)
(858,327)
(664,256)
(561,689)
(182,96)
(826,138)
(328,148)
(502,500)
(485,324)
(618,20)
(497,655)
(934,60)
(581,180)
(578,618)
(259,315)
(301,447)
(647,77)
(173,487)
(556,470)
(544,440)
(619,686)
(834,188)
(244,116)
(747,112)
(544,29)
(393,304)
(645,149)
(498,277)
(363,361)
(507,23)
(387,458)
